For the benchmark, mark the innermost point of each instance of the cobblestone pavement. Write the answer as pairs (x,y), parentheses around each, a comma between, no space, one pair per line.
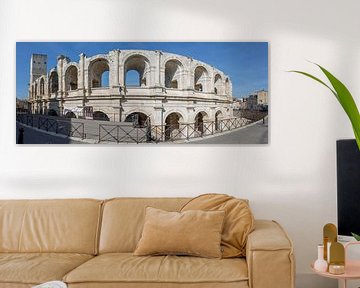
(35,136)
(255,134)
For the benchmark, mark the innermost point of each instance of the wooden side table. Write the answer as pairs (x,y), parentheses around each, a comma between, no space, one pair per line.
(352,268)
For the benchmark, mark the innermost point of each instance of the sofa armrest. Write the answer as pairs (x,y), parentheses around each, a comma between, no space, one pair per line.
(269,256)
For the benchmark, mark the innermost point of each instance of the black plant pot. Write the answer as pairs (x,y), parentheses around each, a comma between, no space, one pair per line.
(348,187)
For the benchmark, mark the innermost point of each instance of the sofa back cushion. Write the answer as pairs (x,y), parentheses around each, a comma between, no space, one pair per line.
(123,220)
(64,226)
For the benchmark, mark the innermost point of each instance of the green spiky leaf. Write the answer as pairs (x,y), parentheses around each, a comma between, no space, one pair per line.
(344,97)
(356,236)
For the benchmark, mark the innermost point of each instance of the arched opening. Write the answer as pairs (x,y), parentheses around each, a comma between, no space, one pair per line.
(132,78)
(199,122)
(140,65)
(70,114)
(218,115)
(97,69)
(53,82)
(105,79)
(172,122)
(71,78)
(42,86)
(36,87)
(218,84)
(199,87)
(52,112)
(227,87)
(99,115)
(173,70)
(200,77)
(137,118)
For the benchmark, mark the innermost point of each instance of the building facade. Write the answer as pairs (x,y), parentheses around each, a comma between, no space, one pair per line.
(22,106)
(171,89)
(257,100)
(262,97)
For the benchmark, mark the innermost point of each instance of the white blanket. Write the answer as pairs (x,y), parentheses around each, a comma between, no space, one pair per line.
(51,284)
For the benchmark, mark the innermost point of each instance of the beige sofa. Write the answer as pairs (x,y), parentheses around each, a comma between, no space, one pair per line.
(89,243)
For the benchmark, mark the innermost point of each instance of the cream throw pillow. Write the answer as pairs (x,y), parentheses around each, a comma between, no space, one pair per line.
(193,232)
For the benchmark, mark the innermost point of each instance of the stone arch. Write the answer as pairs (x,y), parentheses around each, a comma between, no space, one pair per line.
(139,119)
(53,82)
(100,115)
(70,114)
(42,86)
(97,68)
(218,116)
(200,78)
(218,84)
(141,65)
(71,78)
(173,74)
(172,122)
(200,117)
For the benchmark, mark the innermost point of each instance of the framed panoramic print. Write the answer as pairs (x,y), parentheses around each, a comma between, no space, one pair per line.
(142,92)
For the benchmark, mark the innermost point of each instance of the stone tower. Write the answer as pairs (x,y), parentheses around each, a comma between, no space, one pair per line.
(38,66)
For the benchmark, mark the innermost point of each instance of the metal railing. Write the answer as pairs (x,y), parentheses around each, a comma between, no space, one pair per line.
(68,128)
(167,133)
(126,132)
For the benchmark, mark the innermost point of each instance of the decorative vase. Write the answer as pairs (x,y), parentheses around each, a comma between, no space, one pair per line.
(320,264)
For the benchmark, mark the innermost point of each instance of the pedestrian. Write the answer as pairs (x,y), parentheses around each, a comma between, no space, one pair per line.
(21,136)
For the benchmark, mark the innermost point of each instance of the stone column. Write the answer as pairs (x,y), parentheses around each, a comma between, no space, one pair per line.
(81,72)
(189,75)
(159,81)
(87,88)
(121,72)
(209,86)
(114,69)
(60,71)
(81,78)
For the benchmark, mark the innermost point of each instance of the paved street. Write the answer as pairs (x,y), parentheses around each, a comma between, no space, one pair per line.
(255,134)
(92,128)
(34,136)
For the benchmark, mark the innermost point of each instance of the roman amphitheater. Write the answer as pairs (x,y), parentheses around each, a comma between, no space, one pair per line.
(171,89)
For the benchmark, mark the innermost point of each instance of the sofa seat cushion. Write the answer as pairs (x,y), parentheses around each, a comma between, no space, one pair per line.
(127,268)
(36,268)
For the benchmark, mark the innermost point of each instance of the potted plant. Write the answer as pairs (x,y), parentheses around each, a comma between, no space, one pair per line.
(345,99)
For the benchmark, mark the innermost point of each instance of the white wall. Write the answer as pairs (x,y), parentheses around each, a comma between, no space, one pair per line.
(292,180)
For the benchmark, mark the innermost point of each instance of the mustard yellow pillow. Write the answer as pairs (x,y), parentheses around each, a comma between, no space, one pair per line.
(193,232)
(238,223)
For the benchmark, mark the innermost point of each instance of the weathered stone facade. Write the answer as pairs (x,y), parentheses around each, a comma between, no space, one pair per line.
(172,89)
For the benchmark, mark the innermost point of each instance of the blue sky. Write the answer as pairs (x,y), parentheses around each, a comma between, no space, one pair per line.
(245,62)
